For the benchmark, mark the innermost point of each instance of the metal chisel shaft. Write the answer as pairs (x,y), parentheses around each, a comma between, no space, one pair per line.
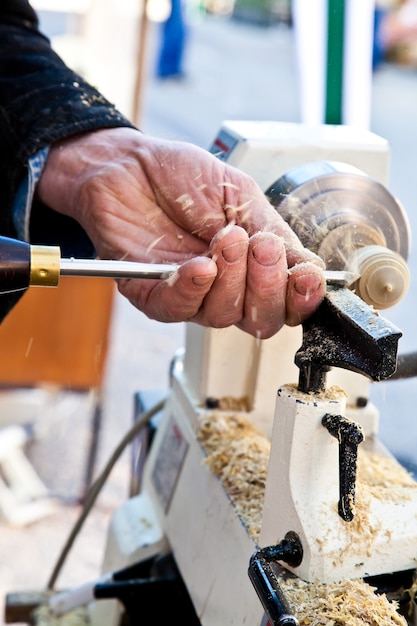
(115,269)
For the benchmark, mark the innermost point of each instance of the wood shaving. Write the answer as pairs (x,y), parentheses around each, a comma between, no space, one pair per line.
(229,403)
(379,477)
(330,393)
(238,454)
(351,603)
(42,616)
(382,472)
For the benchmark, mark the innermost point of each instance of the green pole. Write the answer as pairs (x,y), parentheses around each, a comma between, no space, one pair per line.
(334,66)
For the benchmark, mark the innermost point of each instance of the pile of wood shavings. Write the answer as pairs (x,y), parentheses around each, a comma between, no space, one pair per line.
(379,477)
(229,403)
(380,471)
(238,454)
(351,603)
(42,616)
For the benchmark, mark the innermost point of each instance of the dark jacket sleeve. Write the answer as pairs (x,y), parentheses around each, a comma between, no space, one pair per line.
(41,101)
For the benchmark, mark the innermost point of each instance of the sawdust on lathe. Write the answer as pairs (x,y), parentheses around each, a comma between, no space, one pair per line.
(238,454)
(380,471)
(42,616)
(348,603)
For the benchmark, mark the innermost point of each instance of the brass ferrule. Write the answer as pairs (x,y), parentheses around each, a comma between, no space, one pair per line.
(45,265)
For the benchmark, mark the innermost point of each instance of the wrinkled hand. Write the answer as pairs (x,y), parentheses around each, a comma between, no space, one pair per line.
(150,200)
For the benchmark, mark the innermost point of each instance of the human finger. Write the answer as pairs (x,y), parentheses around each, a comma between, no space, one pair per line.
(305,290)
(266,286)
(176,299)
(224,304)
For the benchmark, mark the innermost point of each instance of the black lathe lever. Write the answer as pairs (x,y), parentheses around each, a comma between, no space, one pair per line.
(264,576)
(345,332)
(349,435)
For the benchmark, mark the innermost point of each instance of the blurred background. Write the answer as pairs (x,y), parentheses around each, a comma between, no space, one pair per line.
(178,71)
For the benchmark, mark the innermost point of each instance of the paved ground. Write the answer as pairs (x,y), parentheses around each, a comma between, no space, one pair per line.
(234,71)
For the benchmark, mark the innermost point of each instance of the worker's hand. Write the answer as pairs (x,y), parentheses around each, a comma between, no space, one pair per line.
(150,200)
